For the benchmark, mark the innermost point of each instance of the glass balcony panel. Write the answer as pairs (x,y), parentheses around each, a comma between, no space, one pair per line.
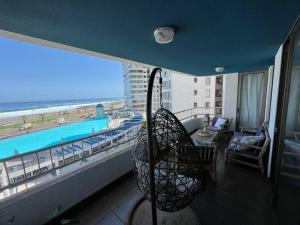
(15,170)
(57,156)
(78,149)
(31,165)
(101,142)
(3,176)
(68,153)
(45,160)
(86,146)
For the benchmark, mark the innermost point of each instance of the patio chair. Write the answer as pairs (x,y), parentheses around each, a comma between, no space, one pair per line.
(221,125)
(250,150)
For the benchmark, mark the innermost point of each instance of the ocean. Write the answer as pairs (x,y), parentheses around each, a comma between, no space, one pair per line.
(13,109)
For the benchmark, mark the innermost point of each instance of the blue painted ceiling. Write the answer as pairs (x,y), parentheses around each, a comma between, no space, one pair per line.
(239,35)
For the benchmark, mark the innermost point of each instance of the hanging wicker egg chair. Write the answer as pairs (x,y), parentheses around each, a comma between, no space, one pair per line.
(178,171)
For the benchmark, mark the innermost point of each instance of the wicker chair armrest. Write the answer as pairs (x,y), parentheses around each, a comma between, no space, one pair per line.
(247,145)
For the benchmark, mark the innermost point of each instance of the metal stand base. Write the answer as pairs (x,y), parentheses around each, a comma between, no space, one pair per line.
(141,214)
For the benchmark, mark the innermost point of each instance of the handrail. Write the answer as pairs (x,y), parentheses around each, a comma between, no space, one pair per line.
(103,132)
(58,157)
(48,159)
(99,133)
(189,113)
(198,108)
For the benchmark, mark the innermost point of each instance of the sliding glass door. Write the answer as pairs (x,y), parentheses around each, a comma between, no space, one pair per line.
(252,99)
(286,180)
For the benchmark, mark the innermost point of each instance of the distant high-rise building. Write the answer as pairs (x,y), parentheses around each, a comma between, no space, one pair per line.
(181,92)
(135,80)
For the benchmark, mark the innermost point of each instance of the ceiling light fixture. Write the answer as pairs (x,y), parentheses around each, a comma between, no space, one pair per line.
(164,35)
(219,69)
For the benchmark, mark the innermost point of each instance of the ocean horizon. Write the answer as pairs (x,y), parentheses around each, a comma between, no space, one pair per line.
(12,109)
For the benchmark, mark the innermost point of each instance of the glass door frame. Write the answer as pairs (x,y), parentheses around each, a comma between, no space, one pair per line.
(282,108)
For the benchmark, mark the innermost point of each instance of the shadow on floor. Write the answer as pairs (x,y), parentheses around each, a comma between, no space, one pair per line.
(240,197)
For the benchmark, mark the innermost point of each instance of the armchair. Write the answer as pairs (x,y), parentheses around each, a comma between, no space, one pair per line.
(220,124)
(250,150)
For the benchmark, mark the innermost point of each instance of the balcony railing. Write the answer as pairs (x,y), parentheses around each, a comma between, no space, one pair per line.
(32,166)
(20,169)
(198,112)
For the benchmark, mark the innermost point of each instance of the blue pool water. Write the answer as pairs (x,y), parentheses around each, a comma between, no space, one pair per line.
(47,138)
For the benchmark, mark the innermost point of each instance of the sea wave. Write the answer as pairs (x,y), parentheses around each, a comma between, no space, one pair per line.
(47,110)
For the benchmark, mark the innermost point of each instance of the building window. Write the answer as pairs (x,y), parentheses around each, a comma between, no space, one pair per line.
(219,80)
(218,93)
(207,93)
(195,80)
(195,92)
(207,80)
(195,104)
(218,104)
(207,104)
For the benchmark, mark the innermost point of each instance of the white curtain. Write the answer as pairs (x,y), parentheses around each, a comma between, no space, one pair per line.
(252,99)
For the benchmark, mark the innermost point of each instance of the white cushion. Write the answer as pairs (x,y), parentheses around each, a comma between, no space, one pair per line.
(220,122)
(250,140)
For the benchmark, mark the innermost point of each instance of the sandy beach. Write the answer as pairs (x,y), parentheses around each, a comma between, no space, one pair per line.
(26,121)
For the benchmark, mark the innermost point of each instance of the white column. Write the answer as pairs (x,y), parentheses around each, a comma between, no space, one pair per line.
(274,100)
(230,91)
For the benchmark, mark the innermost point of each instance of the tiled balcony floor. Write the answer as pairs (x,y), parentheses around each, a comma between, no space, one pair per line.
(240,197)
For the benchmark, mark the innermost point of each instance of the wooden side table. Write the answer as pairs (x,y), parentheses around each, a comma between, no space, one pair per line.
(206,146)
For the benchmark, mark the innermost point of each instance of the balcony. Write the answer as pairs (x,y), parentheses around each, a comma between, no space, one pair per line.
(93,183)
(20,173)
(61,167)
(228,200)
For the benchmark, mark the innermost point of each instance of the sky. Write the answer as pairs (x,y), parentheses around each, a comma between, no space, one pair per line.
(30,72)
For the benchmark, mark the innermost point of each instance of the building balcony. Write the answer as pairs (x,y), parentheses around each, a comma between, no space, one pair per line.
(81,166)
(91,180)
(99,188)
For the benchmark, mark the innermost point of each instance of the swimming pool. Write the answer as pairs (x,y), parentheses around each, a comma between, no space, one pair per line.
(47,138)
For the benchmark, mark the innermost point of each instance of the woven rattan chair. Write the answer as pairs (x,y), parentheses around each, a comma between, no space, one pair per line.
(178,168)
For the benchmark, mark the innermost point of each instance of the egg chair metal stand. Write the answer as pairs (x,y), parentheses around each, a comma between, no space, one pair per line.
(168,167)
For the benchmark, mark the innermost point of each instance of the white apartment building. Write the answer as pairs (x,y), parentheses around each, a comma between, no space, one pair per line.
(135,80)
(181,92)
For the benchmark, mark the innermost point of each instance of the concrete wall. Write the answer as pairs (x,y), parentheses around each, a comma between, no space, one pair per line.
(35,205)
(182,89)
(230,92)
